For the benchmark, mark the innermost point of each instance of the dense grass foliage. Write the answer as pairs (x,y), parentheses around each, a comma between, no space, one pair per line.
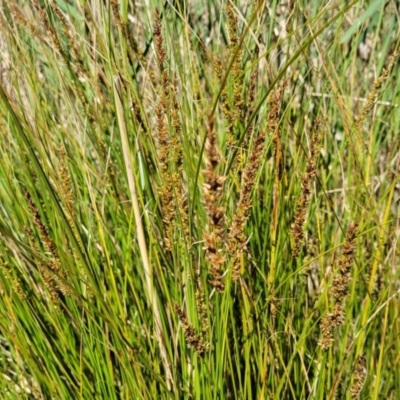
(199,200)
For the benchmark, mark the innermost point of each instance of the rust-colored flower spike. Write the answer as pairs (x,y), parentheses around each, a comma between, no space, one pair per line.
(50,31)
(249,108)
(166,191)
(236,244)
(251,101)
(21,20)
(133,48)
(340,288)
(65,179)
(192,339)
(342,275)
(54,263)
(160,54)
(372,97)
(226,109)
(212,190)
(11,276)
(73,44)
(202,308)
(56,44)
(307,179)
(48,278)
(172,193)
(359,377)
(328,323)
(236,55)
(176,158)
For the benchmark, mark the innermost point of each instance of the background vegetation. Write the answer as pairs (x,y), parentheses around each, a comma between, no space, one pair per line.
(199,199)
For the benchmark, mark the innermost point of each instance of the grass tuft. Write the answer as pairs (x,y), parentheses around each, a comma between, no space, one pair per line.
(175,186)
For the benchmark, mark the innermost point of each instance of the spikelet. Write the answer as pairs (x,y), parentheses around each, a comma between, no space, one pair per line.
(172,193)
(212,190)
(54,264)
(307,179)
(339,289)
(249,108)
(373,95)
(202,308)
(133,47)
(341,280)
(50,31)
(55,43)
(359,377)
(48,279)
(67,28)
(226,109)
(236,243)
(12,278)
(235,55)
(192,339)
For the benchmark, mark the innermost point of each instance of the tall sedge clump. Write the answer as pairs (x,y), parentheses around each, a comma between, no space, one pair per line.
(339,288)
(212,190)
(307,179)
